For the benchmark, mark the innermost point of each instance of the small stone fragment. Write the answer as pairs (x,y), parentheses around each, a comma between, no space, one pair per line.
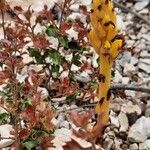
(133,147)
(140,131)
(123,120)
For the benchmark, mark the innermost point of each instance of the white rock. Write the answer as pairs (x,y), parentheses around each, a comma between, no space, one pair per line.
(125,80)
(126,57)
(118,77)
(130,93)
(83,77)
(83,143)
(128,68)
(140,131)
(134,147)
(5,132)
(94,60)
(134,60)
(142,146)
(146,61)
(145,67)
(120,22)
(129,108)
(147,144)
(147,112)
(74,7)
(144,11)
(74,68)
(144,54)
(114,121)
(146,37)
(62,136)
(85,2)
(123,120)
(140,5)
(72,33)
(26,58)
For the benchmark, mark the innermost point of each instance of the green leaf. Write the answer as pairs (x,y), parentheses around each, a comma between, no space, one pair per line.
(72,97)
(94,85)
(72,76)
(52,31)
(39,132)
(63,40)
(56,57)
(55,68)
(36,54)
(30,143)
(3,118)
(76,60)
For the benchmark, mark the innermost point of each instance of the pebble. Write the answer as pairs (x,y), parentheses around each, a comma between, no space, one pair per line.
(134,61)
(130,93)
(123,121)
(108,143)
(129,108)
(147,112)
(128,68)
(140,131)
(145,67)
(145,54)
(133,147)
(114,121)
(147,144)
(126,58)
(141,4)
(118,77)
(116,107)
(125,80)
(146,61)
(5,132)
(83,77)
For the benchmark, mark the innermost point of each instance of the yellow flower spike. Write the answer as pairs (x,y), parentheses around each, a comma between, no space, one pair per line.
(107,45)
(96,43)
(111,32)
(97,3)
(98,27)
(115,46)
(104,39)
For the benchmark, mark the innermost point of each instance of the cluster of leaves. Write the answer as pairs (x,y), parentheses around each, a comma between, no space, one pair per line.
(24,106)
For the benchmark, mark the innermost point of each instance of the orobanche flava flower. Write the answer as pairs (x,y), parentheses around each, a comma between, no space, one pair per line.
(105,39)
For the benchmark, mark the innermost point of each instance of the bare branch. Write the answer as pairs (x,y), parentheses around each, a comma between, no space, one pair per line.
(131,87)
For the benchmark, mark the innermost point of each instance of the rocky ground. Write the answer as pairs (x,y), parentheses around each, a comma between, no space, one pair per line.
(129,126)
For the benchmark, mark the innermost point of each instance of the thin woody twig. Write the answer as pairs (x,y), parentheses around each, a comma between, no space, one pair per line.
(130,87)
(132,12)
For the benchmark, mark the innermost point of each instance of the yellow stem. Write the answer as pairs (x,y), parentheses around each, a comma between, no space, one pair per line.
(102,108)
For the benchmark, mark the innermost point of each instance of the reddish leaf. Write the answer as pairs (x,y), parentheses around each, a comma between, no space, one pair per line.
(36,99)
(64,26)
(73,145)
(24,133)
(83,9)
(45,141)
(40,42)
(18,8)
(80,119)
(31,115)
(2,4)
(47,116)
